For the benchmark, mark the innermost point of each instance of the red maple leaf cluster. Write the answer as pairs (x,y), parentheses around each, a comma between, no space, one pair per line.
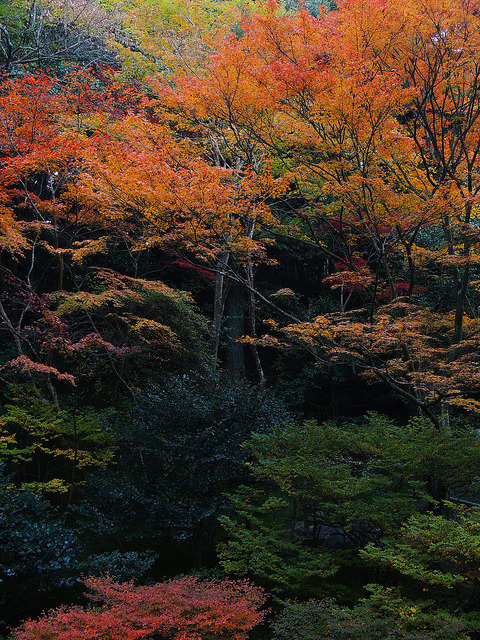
(182,609)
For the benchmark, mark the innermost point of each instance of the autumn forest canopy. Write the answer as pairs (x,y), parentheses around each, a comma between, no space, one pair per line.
(239,320)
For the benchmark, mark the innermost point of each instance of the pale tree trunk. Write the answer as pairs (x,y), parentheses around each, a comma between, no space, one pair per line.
(219,305)
(463,280)
(235,328)
(253,323)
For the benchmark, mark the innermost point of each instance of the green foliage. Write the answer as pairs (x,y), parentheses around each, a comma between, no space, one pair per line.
(141,326)
(384,615)
(119,566)
(12,14)
(312,6)
(48,448)
(263,543)
(37,552)
(51,33)
(165,35)
(432,549)
(327,491)
(178,451)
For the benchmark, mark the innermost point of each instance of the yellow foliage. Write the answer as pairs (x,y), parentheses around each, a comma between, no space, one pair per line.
(169,36)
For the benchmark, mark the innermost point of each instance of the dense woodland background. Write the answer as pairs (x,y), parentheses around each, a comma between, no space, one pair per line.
(239,319)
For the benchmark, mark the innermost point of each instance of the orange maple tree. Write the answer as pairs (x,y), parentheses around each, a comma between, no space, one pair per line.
(44,125)
(154,170)
(366,116)
(372,110)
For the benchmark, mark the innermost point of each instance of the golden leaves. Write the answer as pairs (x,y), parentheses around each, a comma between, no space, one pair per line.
(12,234)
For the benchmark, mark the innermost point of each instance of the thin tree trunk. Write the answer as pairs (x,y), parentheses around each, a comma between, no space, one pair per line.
(235,326)
(219,305)
(464,280)
(253,323)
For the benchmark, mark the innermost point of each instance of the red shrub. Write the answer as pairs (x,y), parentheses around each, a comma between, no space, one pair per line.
(182,609)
